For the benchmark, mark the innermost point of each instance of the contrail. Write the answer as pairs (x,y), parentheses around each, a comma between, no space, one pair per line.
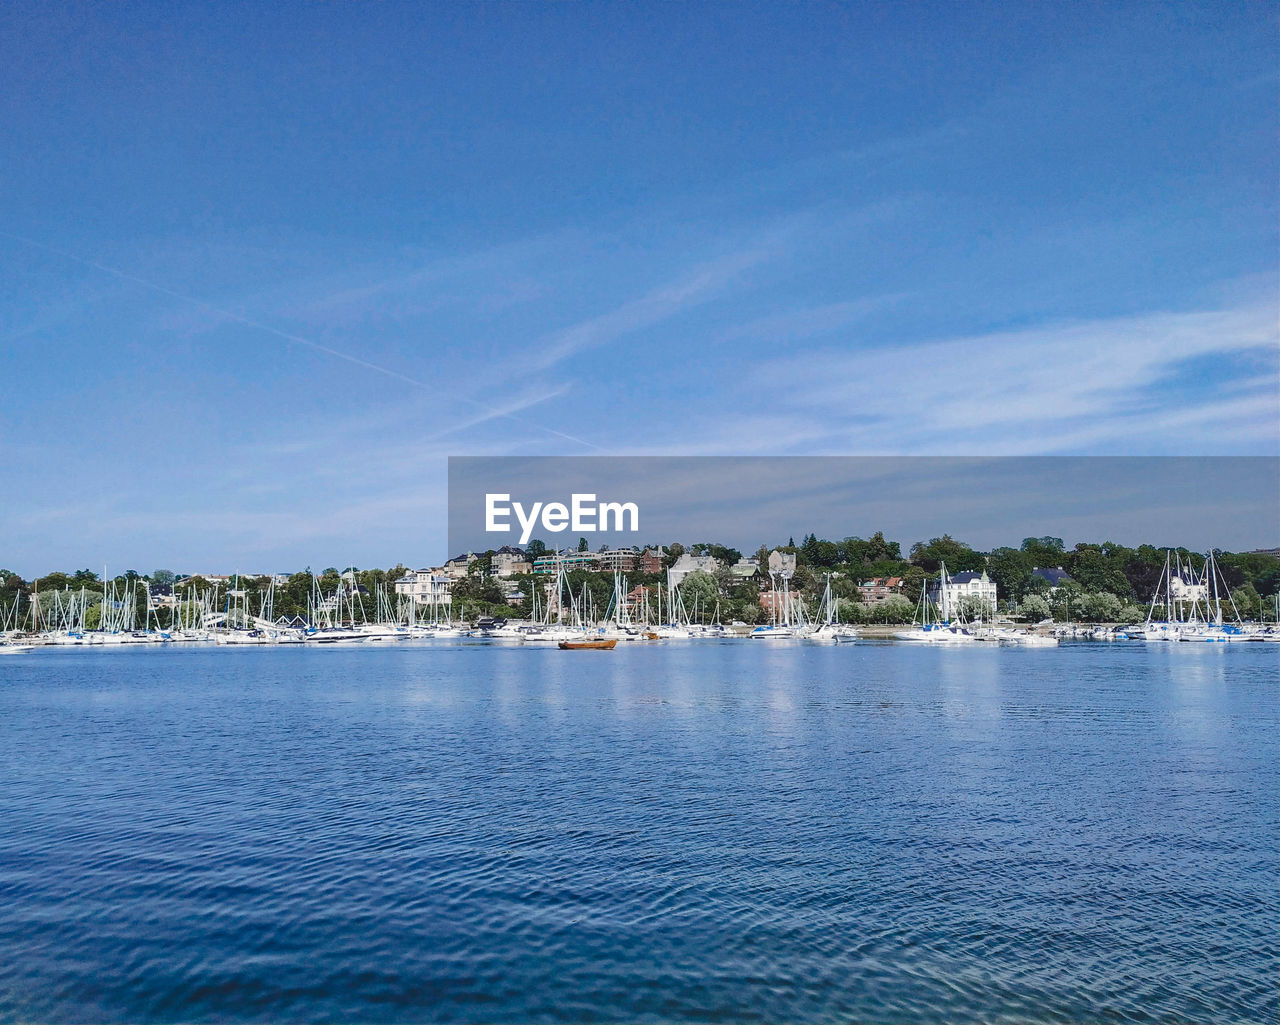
(287,336)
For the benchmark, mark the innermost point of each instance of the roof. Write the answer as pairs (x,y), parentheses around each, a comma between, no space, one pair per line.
(1053,576)
(509,550)
(966,577)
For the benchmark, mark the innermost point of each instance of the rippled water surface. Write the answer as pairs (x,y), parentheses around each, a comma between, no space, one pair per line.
(677,832)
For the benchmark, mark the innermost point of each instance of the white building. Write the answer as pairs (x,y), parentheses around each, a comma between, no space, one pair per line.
(456,568)
(687,564)
(622,560)
(1187,590)
(961,586)
(782,562)
(509,562)
(426,587)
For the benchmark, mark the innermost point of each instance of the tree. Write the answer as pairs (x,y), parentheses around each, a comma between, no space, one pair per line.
(674,551)
(1043,551)
(1009,569)
(582,545)
(971,608)
(956,554)
(1065,602)
(1092,570)
(728,556)
(1100,607)
(535,549)
(701,588)
(1247,602)
(825,553)
(913,580)
(162,576)
(1033,608)
(894,609)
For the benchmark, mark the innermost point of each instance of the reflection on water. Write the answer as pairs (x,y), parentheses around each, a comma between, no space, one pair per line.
(667,832)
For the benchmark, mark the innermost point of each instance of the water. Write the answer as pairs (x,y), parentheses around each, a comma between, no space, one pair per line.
(672,832)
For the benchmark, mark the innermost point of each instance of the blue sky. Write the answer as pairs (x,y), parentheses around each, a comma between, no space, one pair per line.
(263,268)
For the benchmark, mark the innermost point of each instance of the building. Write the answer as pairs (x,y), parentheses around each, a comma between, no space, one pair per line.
(162,596)
(456,568)
(782,563)
(687,564)
(745,571)
(961,586)
(635,601)
(623,560)
(1187,590)
(879,589)
(775,604)
(1055,578)
(426,586)
(653,560)
(509,562)
(552,562)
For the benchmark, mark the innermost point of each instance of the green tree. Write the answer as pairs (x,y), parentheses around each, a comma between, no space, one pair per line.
(1090,567)
(1043,551)
(894,609)
(972,608)
(1009,569)
(956,554)
(1247,602)
(1033,608)
(700,588)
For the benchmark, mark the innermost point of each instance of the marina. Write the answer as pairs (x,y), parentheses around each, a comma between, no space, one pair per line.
(1185,606)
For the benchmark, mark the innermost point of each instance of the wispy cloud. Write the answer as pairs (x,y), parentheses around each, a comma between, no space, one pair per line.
(1113,385)
(811,321)
(698,286)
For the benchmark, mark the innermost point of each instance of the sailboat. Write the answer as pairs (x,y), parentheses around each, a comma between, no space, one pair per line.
(1213,628)
(781,628)
(931,629)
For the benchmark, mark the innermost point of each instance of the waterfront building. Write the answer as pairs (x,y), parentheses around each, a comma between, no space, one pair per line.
(635,601)
(969,584)
(879,589)
(426,586)
(1184,588)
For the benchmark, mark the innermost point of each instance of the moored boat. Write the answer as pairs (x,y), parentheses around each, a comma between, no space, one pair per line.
(601,645)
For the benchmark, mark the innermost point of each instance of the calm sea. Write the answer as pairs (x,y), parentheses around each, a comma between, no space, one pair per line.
(692,832)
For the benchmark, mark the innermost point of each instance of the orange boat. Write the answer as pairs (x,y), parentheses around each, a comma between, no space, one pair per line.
(594,645)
